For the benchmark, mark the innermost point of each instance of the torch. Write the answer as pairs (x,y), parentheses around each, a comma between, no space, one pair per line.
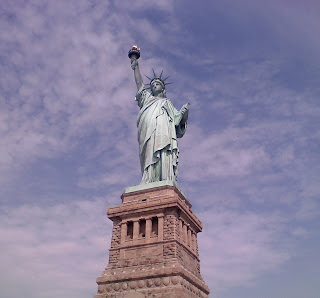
(134,53)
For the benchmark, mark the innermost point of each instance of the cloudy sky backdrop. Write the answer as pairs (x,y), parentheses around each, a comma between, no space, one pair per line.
(249,161)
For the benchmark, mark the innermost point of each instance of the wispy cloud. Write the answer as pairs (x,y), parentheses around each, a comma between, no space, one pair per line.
(51,251)
(239,247)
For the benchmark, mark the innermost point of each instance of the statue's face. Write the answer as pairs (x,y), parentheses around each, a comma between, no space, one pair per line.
(156,87)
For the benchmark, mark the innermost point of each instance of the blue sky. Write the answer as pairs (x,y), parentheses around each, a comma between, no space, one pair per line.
(249,162)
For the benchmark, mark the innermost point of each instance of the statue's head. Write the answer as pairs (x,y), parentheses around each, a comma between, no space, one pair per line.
(158,85)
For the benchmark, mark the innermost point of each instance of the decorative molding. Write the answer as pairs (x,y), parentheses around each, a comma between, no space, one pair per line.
(144,285)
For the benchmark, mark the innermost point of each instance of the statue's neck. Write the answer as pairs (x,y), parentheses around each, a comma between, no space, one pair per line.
(160,95)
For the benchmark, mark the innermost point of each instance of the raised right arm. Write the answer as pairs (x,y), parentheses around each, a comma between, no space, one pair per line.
(137,74)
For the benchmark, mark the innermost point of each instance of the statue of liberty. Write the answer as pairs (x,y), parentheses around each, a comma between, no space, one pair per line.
(159,125)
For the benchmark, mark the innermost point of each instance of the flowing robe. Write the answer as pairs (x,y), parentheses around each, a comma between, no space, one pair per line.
(159,126)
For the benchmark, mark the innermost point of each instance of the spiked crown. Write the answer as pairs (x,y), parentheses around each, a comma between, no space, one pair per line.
(158,78)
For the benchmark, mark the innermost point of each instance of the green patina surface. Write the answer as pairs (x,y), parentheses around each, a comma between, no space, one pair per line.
(159,125)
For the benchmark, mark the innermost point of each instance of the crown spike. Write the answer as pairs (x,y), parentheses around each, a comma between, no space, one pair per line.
(155,77)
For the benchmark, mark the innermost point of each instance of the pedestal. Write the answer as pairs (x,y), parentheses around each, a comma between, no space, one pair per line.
(154,249)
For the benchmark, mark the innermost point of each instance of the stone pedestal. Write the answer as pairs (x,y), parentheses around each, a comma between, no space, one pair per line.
(154,249)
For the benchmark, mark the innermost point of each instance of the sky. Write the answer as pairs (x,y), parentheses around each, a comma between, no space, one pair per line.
(249,161)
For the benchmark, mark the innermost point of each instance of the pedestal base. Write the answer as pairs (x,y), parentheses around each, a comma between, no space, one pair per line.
(155,281)
(154,250)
